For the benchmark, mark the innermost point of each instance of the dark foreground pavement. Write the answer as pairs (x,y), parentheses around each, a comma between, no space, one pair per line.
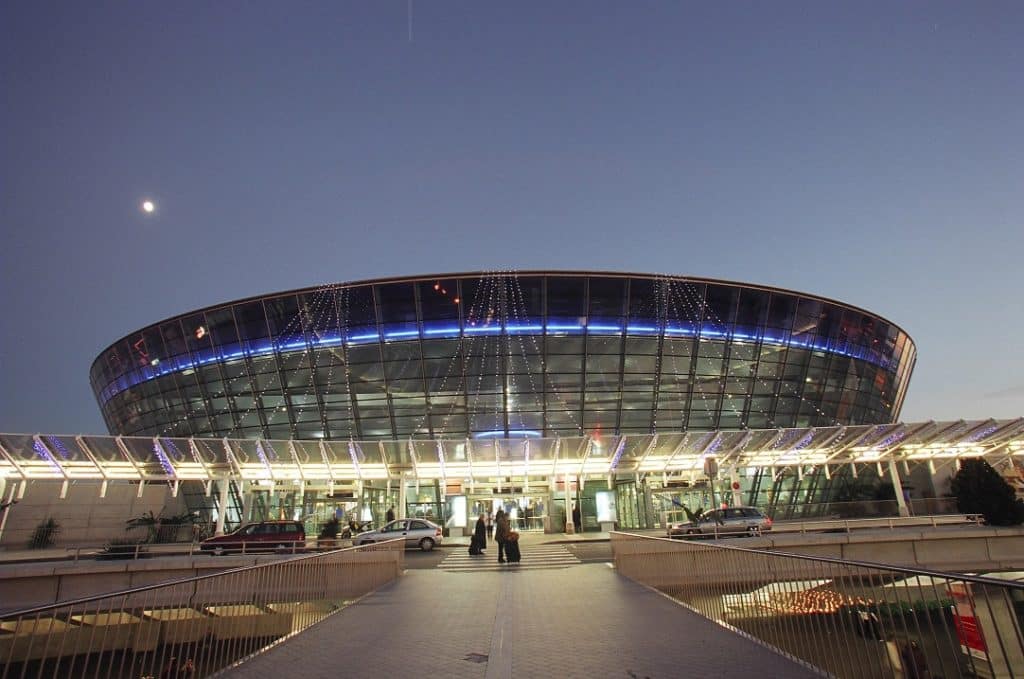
(585,620)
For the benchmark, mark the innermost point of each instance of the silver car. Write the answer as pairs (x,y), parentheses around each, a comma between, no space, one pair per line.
(728,521)
(417,533)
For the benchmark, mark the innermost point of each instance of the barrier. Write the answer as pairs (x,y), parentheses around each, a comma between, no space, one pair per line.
(194,626)
(847,618)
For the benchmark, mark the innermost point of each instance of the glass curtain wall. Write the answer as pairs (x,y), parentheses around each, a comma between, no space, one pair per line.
(479,355)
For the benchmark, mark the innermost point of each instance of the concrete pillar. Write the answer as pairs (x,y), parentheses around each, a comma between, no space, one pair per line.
(401,498)
(246,495)
(897,486)
(569,528)
(222,505)
(358,492)
(300,501)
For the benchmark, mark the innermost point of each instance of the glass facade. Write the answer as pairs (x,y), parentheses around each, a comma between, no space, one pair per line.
(506,355)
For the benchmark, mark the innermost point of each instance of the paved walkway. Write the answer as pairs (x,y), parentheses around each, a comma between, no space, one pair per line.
(535,556)
(584,620)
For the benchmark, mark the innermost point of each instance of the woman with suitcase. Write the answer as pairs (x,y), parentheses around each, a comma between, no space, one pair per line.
(501,531)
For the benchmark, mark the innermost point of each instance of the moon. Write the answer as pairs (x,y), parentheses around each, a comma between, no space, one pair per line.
(148,206)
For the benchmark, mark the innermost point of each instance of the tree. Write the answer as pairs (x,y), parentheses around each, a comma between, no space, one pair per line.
(979,489)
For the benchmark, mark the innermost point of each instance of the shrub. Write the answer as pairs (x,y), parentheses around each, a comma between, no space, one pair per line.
(979,489)
(44,534)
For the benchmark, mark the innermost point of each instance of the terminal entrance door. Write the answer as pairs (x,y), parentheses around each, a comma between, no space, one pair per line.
(526,511)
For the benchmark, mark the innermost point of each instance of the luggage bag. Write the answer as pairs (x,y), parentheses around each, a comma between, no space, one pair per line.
(512,551)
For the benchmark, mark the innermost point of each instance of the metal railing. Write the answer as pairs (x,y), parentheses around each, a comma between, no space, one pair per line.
(712,529)
(816,511)
(847,618)
(145,550)
(191,627)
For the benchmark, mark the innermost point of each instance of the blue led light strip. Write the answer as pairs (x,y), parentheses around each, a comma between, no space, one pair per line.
(447,330)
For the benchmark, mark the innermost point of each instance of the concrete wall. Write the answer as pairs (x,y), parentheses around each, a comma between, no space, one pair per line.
(24,585)
(84,517)
(949,548)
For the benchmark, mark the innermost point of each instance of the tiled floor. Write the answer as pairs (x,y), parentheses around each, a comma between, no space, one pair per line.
(582,621)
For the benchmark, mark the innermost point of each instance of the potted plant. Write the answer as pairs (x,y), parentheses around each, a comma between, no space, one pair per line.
(44,535)
(328,538)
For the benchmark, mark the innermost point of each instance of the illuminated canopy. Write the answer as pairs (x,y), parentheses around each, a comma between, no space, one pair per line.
(112,458)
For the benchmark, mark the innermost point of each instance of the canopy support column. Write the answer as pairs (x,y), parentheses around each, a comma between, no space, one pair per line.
(401,496)
(897,486)
(570,527)
(222,505)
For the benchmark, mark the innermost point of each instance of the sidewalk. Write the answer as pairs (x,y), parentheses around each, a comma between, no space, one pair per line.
(581,621)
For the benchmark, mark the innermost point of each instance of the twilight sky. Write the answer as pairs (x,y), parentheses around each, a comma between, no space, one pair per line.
(872,153)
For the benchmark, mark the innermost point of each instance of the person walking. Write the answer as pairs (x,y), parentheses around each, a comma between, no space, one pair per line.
(501,531)
(390,516)
(479,542)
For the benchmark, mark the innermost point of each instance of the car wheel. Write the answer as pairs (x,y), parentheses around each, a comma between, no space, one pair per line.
(426,544)
(365,542)
(753,531)
(217,551)
(693,531)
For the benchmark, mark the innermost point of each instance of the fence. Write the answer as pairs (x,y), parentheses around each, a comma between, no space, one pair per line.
(858,509)
(850,619)
(192,627)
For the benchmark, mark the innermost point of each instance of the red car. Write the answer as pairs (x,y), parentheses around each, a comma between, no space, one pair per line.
(265,536)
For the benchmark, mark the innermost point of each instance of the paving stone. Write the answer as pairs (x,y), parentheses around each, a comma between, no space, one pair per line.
(581,621)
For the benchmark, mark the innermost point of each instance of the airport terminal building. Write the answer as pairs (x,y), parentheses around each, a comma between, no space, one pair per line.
(585,364)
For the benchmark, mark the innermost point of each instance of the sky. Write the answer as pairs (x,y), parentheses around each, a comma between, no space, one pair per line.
(866,152)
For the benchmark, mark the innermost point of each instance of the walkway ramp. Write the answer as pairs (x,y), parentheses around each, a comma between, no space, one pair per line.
(535,557)
(586,621)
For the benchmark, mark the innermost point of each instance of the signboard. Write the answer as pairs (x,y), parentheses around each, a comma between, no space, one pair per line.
(968,631)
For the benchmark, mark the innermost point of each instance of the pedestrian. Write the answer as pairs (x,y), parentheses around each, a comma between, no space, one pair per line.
(490,526)
(915,665)
(390,516)
(479,541)
(577,521)
(501,531)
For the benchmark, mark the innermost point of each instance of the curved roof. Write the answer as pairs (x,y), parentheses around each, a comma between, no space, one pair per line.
(522,274)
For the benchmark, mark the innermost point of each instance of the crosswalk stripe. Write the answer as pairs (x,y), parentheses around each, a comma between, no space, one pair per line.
(534,557)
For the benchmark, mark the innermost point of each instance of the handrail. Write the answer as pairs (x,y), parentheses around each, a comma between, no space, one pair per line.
(858,523)
(979,579)
(847,618)
(193,578)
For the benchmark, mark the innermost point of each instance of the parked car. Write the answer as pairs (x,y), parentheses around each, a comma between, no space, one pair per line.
(728,521)
(417,533)
(263,536)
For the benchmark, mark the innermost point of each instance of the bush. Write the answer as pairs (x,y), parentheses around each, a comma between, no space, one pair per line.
(979,489)
(161,529)
(44,534)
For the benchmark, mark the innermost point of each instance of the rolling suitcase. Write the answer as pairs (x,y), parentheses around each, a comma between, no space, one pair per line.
(512,551)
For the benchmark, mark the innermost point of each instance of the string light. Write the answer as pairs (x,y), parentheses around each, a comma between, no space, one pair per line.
(317,337)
